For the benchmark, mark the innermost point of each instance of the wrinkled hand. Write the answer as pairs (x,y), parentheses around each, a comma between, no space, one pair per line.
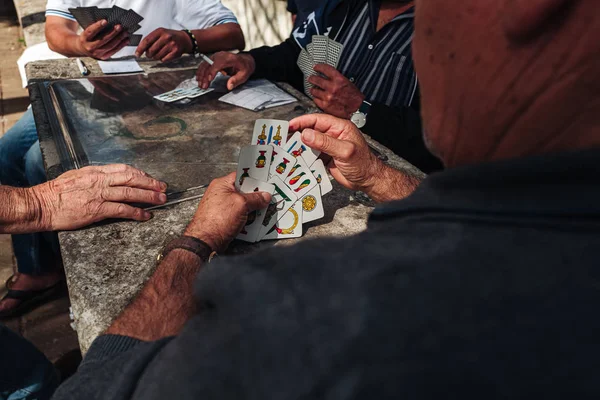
(335,94)
(81,197)
(223,212)
(91,44)
(165,45)
(353,164)
(238,66)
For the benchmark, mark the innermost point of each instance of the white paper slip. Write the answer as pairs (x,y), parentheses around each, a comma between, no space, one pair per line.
(120,67)
(258,95)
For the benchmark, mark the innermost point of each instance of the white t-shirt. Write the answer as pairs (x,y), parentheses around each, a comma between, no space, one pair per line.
(169,14)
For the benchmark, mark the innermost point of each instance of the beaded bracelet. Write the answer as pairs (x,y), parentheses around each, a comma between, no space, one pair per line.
(194,42)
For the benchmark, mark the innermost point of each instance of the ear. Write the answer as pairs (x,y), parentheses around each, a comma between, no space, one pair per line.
(523,19)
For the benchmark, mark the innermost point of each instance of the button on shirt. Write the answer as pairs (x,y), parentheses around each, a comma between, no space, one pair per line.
(380,63)
(168,14)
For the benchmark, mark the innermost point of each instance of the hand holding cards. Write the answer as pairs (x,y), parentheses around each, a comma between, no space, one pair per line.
(290,171)
(322,50)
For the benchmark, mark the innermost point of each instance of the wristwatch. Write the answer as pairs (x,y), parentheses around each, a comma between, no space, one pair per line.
(359,118)
(191,244)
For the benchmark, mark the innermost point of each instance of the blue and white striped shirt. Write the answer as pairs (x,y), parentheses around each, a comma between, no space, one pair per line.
(379,63)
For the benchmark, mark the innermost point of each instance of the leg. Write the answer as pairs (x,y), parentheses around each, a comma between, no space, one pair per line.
(14,145)
(34,165)
(25,373)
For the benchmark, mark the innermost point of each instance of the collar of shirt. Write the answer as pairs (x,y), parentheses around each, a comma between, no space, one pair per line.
(561,185)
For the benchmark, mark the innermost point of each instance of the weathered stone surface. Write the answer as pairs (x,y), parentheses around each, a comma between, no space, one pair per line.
(32,19)
(107,264)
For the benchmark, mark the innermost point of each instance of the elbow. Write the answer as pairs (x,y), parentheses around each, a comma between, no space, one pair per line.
(239,42)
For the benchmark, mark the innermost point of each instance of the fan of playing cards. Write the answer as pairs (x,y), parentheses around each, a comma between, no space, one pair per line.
(321,50)
(128,19)
(290,172)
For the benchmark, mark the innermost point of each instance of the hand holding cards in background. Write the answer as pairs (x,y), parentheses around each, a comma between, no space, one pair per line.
(238,66)
(165,45)
(353,164)
(223,212)
(334,93)
(94,42)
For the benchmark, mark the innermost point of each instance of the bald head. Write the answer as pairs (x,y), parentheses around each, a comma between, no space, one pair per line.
(508,78)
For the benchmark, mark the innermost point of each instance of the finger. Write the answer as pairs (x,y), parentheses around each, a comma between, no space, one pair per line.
(111,168)
(134,180)
(162,53)
(236,80)
(318,122)
(122,194)
(328,71)
(200,75)
(146,43)
(157,46)
(120,210)
(171,56)
(101,42)
(113,49)
(342,150)
(320,82)
(256,200)
(91,31)
(319,94)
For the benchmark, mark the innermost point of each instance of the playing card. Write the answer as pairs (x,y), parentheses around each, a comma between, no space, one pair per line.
(171,96)
(134,40)
(133,28)
(129,19)
(270,131)
(252,228)
(197,92)
(334,52)
(282,163)
(102,13)
(312,205)
(296,147)
(319,49)
(320,172)
(84,15)
(254,162)
(307,87)
(115,16)
(306,63)
(289,226)
(283,198)
(300,179)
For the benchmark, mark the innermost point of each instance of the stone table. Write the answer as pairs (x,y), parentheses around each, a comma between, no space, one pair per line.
(107,264)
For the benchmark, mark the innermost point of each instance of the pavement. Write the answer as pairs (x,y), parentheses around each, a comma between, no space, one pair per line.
(47,327)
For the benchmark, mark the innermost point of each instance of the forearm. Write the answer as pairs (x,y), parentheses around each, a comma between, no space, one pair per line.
(63,39)
(20,212)
(165,303)
(391,184)
(220,38)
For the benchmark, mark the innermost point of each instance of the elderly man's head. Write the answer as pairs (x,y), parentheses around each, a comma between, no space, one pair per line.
(505,78)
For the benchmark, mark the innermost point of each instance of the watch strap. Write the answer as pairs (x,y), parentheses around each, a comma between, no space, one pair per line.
(365,107)
(191,244)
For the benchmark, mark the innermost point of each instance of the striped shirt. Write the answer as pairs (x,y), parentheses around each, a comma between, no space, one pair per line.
(379,63)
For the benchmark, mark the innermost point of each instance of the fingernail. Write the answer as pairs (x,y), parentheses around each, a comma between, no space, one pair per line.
(146,215)
(162,197)
(104,22)
(266,196)
(118,28)
(137,54)
(308,136)
(163,186)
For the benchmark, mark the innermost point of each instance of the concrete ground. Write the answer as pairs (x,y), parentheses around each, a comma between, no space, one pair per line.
(47,326)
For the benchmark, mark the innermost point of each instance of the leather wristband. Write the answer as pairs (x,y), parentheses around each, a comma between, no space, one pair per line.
(191,244)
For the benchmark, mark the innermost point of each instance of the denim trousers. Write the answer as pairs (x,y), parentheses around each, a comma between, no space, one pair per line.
(21,165)
(25,373)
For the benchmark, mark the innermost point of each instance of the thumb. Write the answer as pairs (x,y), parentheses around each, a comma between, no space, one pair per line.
(257,200)
(336,148)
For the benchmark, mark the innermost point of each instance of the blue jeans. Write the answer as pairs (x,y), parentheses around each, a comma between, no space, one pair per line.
(21,165)
(25,373)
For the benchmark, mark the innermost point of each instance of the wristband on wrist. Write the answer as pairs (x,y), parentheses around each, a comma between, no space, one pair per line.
(194,41)
(191,244)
